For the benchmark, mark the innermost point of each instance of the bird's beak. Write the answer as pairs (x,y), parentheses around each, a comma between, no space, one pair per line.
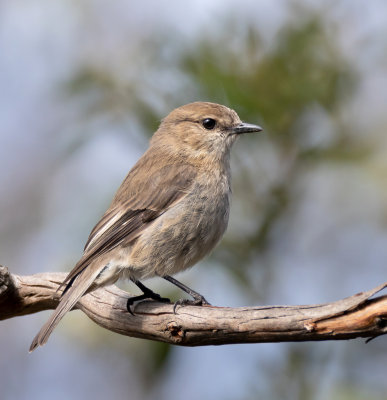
(245,128)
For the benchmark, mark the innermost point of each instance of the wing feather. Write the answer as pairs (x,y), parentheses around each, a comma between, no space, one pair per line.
(136,204)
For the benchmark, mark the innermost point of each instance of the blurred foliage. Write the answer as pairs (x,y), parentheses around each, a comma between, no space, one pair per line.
(106,94)
(302,71)
(303,68)
(160,355)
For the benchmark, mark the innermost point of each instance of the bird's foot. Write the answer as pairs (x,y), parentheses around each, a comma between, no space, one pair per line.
(198,300)
(148,294)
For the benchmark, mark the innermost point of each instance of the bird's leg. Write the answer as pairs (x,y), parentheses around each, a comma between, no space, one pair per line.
(147,294)
(198,299)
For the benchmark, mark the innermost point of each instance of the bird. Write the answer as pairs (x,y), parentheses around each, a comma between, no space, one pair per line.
(169,212)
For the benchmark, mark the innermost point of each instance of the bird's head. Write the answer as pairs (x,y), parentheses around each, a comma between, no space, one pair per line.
(201,130)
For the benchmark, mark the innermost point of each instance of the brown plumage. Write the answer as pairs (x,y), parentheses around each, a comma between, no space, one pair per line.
(169,212)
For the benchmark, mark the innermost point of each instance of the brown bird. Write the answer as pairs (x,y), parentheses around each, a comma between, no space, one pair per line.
(169,212)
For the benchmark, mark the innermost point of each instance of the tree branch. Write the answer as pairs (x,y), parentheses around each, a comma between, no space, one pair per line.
(352,317)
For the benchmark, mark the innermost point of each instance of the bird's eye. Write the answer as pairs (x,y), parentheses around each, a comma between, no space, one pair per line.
(209,123)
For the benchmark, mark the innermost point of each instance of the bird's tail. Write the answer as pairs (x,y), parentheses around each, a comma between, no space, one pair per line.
(80,286)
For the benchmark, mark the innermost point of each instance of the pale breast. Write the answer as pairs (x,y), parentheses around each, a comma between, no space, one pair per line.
(185,233)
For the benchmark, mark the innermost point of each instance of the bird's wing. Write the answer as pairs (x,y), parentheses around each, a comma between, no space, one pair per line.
(123,223)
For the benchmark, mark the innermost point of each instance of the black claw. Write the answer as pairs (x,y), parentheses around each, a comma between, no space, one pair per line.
(148,294)
(131,301)
(198,299)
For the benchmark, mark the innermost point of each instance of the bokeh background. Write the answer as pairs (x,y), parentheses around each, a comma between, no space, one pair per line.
(83,86)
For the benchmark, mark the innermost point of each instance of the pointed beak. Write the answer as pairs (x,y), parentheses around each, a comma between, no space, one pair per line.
(245,128)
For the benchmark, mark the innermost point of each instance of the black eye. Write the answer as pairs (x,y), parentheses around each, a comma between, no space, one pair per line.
(209,123)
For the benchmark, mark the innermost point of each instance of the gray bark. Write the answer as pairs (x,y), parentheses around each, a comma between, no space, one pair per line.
(349,318)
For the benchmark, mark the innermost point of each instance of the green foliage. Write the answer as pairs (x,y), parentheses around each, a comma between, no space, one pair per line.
(302,68)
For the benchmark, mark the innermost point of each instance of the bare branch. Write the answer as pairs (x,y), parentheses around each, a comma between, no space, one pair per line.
(352,317)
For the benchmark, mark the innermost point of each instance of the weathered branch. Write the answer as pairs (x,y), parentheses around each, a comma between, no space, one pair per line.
(352,317)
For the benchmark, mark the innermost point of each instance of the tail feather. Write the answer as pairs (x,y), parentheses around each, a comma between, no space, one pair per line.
(67,302)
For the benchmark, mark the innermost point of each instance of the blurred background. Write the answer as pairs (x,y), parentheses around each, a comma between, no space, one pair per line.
(83,86)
